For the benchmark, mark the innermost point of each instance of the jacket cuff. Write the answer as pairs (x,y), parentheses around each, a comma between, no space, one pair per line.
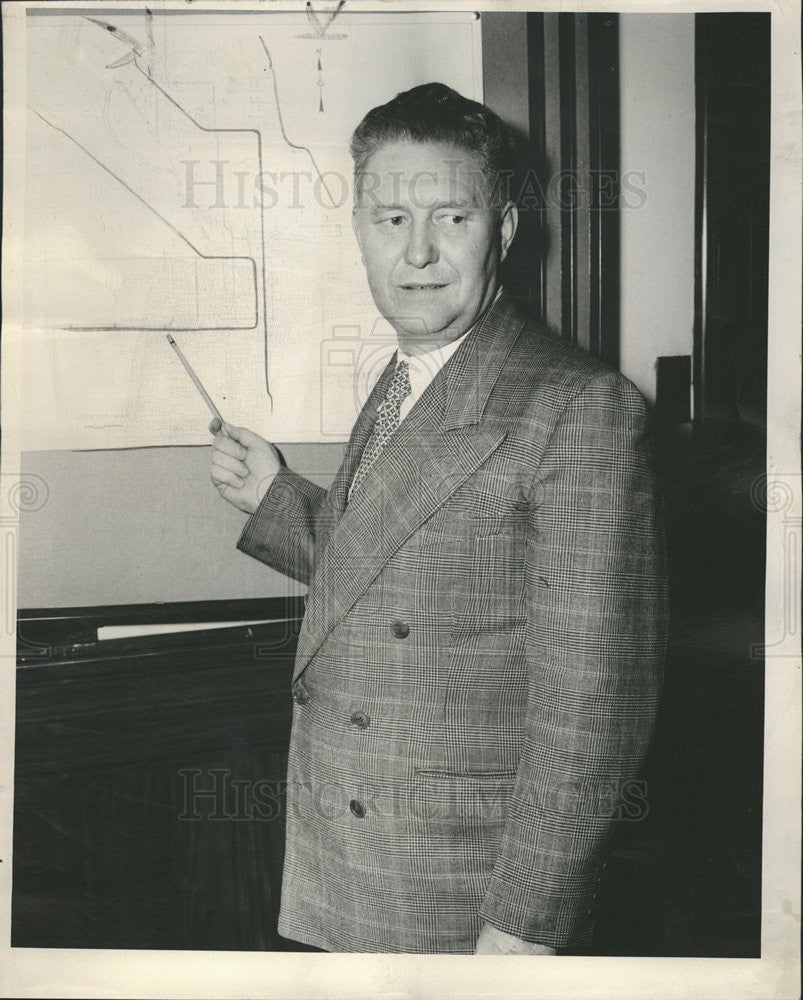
(280,532)
(563,919)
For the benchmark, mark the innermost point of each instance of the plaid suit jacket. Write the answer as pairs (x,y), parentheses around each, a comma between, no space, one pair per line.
(481,656)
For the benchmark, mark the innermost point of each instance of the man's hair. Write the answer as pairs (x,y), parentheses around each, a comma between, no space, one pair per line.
(434,112)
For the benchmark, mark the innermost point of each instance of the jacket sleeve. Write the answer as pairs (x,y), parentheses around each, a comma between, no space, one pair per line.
(596,634)
(282,530)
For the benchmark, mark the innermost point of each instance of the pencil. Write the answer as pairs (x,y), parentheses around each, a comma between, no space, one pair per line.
(196,380)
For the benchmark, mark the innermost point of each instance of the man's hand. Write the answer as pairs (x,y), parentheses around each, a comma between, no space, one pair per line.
(243,465)
(495,942)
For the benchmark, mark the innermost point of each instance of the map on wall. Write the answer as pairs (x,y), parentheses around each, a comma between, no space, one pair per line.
(188,174)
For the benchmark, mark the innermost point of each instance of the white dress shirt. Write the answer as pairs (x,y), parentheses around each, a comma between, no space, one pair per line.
(424,367)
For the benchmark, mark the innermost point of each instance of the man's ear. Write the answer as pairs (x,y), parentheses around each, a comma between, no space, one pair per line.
(356,227)
(507,225)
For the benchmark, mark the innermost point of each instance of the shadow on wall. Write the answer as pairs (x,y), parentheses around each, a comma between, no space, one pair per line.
(687,880)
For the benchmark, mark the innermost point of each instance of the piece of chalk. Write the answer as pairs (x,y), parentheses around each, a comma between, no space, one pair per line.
(196,380)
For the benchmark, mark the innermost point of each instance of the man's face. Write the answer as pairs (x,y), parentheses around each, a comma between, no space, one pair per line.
(430,243)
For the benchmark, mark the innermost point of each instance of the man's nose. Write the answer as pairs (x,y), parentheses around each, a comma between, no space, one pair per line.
(422,248)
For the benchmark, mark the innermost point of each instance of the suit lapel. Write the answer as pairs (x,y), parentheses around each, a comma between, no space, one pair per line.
(337,495)
(437,447)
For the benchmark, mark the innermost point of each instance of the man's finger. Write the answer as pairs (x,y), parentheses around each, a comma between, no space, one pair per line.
(228,446)
(222,461)
(215,424)
(226,477)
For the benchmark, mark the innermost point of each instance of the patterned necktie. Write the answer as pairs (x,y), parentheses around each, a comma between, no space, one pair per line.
(387,420)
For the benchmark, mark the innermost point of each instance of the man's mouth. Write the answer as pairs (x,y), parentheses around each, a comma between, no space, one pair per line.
(420,286)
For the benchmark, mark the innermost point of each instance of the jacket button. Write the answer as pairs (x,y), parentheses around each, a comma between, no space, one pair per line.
(357,808)
(400,629)
(300,694)
(360,720)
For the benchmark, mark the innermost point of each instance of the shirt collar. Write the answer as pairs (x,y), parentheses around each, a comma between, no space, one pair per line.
(424,367)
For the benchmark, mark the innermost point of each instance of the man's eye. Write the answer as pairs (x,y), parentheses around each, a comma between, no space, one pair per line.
(451,221)
(393,222)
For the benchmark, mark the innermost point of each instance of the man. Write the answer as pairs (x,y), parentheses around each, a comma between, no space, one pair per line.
(480,660)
